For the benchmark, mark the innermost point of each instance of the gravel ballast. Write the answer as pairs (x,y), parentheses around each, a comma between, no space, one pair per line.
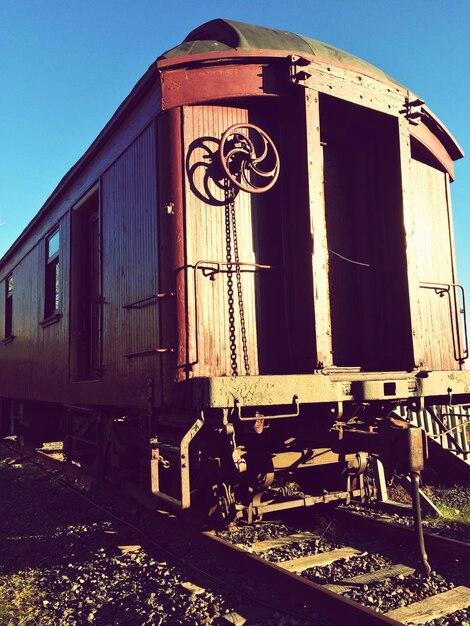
(64,561)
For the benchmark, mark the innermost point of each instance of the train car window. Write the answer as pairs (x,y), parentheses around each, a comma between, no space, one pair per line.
(52,291)
(52,245)
(9,307)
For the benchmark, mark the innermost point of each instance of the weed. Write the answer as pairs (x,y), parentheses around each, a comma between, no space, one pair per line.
(21,602)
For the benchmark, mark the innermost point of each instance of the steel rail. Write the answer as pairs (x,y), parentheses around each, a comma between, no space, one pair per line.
(313,602)
(310,595)
(437,546)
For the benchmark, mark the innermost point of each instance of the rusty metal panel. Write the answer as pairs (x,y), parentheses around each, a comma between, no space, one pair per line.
(183,86)
(435,265)
(208,324)
(130,272)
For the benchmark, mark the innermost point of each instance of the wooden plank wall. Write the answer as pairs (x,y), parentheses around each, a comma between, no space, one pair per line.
(36,364)
(435,264)
(130,271)
(206,240)
(36,359)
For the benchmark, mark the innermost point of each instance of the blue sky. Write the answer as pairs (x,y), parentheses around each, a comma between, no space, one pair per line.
(65,66)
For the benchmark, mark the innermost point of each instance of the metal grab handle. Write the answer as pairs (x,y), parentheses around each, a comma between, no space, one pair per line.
(459,339)
(156,297)
(238,412)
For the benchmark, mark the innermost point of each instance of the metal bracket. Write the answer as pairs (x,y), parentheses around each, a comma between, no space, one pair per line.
(413,110)
(237,453)
(183,466)
(237,410)
(298,75)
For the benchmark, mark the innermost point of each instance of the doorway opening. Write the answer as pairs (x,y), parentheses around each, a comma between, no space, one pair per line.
(370,313)
(86,297)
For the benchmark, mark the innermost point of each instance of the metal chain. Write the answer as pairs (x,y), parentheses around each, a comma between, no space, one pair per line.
(231,230)
(231,301)
(238,273)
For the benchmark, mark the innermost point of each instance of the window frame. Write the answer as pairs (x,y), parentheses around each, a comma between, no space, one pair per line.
(8,319)
(52,291)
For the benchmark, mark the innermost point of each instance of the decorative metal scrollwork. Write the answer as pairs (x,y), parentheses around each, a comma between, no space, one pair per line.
(249,158)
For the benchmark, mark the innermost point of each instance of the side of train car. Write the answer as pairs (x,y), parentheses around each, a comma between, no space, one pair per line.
(240,281)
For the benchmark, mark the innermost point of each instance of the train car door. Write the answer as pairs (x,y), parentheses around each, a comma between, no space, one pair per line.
(440,309)
(259,318)
(365,237)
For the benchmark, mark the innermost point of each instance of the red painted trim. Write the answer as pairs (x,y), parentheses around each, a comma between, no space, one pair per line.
(454,149)
(216,82)
(422,134)
(178,234)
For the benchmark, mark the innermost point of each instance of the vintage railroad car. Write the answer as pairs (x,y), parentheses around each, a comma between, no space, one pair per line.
(230,295)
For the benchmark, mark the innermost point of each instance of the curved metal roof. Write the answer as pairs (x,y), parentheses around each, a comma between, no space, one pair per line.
(223,35)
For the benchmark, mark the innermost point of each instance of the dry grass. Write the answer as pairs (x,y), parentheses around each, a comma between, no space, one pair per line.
(21,602)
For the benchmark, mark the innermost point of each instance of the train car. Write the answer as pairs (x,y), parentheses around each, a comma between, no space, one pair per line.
(249,272)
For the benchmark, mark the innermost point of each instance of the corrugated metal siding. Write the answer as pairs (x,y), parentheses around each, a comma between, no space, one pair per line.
(435,265)
(206,241)
(130,272)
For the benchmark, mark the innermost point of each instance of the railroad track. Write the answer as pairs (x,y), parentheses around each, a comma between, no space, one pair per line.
(298,573)
(293,561)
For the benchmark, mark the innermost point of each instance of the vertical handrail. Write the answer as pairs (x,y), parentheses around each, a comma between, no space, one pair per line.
(459,338)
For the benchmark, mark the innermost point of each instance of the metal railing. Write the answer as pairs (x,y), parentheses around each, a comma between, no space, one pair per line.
(449,426)
(457,312)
